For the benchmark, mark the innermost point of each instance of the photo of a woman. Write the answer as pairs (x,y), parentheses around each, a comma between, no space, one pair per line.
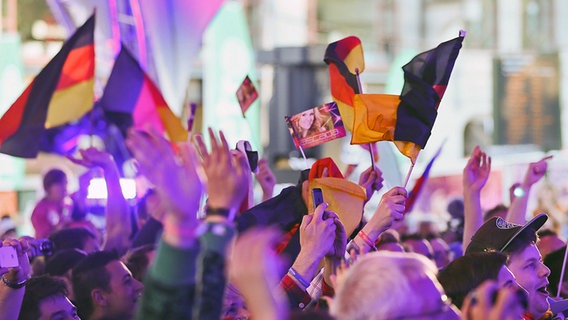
(316,125)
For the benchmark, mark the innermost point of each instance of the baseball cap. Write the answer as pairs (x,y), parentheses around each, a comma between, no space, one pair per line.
(497,234)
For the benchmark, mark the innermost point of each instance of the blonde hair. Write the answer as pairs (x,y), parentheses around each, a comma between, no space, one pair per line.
(379,286)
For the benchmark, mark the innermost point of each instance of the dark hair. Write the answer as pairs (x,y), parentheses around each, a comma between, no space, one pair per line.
(493,211)
(386,237)
(52,177)
(137,262)
(554,262)
(91,274)
(412,236)
(71,238)
(38,289)
(546,232)
(63,261)
(465,273)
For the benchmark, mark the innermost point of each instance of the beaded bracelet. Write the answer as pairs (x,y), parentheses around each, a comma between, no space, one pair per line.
(367,240)
(298,277)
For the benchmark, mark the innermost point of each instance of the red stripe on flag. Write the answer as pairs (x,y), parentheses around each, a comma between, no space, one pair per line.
(340,89)
(79,66)
(11,120)
(145,111)
(347,45)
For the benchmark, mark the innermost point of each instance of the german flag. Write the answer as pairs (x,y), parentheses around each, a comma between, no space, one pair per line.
(61,92)
(408,119)
(345,59)
(130,91)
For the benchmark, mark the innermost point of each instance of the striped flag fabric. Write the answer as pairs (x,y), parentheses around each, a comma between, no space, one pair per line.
(60,93)
(345,60)
(407,120)
(130,91)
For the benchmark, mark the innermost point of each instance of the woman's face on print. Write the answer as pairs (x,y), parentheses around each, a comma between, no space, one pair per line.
(306,119)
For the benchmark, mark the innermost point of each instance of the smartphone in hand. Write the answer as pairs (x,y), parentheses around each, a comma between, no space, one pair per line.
(317,198)
(8,257)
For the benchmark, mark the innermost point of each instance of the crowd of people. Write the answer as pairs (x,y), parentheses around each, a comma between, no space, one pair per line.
(197,247)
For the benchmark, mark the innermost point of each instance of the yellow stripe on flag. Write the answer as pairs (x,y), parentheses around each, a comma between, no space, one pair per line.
(374,120)
(355,60)
(70,104)
(346,112)
(374,117)
(176,132)
(409,149)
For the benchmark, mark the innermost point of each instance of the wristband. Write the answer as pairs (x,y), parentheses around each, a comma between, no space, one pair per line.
(298,277)
(367,240)
(14,285)
(217,212)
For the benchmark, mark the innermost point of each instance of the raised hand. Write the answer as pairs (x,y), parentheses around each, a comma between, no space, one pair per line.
(337,250)
(226,173)
(177,180)
(265,179)
(476,172)
(93,157)
(390,209)
(22,271)
(317,239)
(372,180)
(535,172)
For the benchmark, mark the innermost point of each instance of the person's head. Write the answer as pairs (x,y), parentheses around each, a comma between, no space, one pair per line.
(465,273)
(524,260)
(405,284)
(548,241)
(75,238)
(45,298)
(139,259)
(60,265)
(499,210)
(441,252)
(389,241)
(104,287)
(7,228)
(554,261)
(55,185)
(417,243)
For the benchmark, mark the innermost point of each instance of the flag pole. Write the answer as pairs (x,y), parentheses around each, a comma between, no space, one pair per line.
(370,144)
(562,273)
(408,175)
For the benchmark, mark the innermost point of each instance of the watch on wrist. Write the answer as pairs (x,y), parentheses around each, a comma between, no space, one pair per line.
(217,212)
(14,285)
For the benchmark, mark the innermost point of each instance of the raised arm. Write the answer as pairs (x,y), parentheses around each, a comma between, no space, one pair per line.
(228,176)
(390,208)
(518,210)
(12,288)
(118,228)
(475,175)
(170,283)
(266,179)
